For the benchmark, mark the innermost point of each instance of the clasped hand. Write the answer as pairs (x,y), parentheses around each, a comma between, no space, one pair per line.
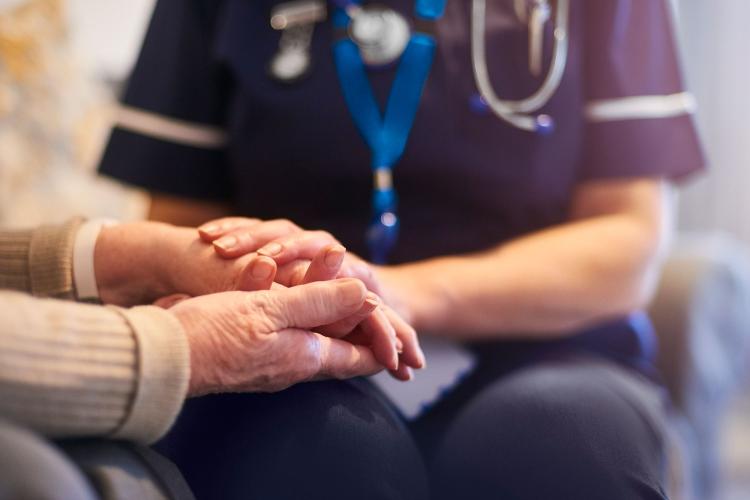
(257,319)
(307,256)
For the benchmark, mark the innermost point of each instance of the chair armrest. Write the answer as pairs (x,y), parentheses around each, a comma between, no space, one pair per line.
(701,313)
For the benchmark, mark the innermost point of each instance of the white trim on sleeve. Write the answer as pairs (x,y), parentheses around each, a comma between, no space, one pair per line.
(84,275)
(640,107)
(170,129)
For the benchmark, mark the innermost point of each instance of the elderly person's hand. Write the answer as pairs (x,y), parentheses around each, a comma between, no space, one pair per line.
(145,262)
(265,341)
(295,251)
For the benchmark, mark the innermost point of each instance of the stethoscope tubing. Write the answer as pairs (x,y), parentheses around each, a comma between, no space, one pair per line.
(517,112)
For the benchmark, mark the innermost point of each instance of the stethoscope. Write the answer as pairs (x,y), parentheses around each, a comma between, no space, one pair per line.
(375,36)
(520,113)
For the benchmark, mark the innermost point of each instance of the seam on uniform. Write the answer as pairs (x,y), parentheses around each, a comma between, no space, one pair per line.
(170,129)
(640,107)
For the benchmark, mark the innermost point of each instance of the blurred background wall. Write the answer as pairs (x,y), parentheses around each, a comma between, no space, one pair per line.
(714,39)
(56,103)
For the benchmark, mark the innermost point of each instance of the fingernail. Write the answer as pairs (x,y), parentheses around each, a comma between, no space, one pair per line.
(226,243)
(351,292)
(422,359)
(394,361)
(271,249)
(372,299)
(410,373)
(209,229)
(399,346)
(261,269)
(334,256)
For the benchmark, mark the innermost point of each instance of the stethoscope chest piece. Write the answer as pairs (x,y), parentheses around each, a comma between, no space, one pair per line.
(380,33)
(296,21)
(290,65)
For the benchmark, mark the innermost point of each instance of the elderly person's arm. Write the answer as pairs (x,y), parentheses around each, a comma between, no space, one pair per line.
(80,370)
(74,370)
(71,369)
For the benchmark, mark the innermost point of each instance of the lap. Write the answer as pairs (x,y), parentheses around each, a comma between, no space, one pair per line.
(576,428)
(579,428)
(315,440)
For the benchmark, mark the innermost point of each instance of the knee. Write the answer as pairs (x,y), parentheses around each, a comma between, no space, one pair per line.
(547,432)
(343,420)
(36,469)
(343,432)
(316,440)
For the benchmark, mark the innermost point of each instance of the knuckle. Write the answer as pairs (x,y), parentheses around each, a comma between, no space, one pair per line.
(406,332)
(287,225)
(322,235)
(411,333)
(312,363)
(298,273)
(301,364)
(247,305)
(263,310)
(223,222)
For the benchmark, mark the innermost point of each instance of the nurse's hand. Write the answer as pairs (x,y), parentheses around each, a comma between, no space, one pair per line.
(266,341)
(291,247)
(137,263)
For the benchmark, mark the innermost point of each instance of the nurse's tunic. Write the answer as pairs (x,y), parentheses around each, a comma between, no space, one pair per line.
(201,118)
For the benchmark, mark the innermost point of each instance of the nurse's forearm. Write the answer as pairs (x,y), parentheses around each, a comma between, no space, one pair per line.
(546,284)
(550,283)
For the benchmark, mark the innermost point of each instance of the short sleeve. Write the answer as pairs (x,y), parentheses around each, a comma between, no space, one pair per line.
(169,134)
(639,116)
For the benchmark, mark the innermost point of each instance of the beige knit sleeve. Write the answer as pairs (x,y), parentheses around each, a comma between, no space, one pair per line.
(39,262)
(73,370)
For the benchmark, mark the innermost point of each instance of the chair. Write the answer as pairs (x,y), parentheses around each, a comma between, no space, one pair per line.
(701,313)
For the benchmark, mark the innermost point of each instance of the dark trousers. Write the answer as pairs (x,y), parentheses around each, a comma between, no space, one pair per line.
(574,427)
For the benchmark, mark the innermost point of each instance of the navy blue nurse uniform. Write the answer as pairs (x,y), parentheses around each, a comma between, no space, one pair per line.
(573,419)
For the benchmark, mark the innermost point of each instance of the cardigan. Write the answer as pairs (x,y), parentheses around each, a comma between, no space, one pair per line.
(81,370)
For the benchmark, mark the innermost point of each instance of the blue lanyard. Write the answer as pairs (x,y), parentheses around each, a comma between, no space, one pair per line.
(386,136)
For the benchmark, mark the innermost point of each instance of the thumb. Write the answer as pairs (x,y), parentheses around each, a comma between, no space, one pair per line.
(314,304)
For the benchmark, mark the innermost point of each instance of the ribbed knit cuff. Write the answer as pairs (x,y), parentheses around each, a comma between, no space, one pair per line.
(14,260)
(163,373)
(51,260)
(66,370)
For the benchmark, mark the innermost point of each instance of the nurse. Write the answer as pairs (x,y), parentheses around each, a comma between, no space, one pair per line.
(538,252)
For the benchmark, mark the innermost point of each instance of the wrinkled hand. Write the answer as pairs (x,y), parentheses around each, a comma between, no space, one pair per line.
(306,256)
(369,327)
(266,341)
